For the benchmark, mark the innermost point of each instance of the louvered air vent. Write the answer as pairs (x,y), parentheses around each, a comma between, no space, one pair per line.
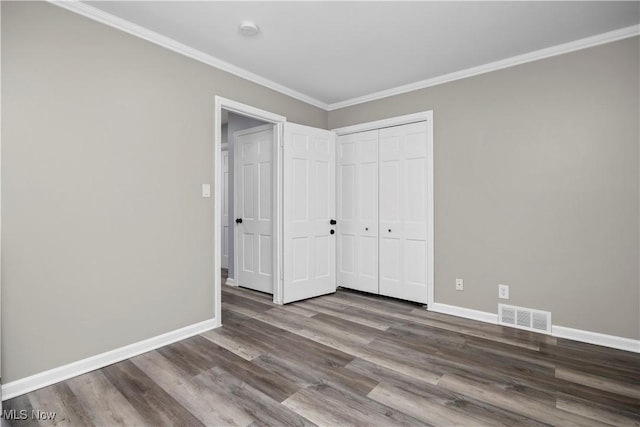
(524,318)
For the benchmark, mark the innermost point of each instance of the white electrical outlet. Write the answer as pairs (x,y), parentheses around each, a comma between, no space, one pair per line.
(503,291)
(459,285)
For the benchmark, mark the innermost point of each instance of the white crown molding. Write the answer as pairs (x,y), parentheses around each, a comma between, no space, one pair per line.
(156,38)
(153,37)
(589,337)
(560,49)
(61,373)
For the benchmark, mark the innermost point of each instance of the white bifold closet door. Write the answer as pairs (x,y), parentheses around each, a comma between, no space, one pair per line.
(403,165)
(358,211)
(383,211)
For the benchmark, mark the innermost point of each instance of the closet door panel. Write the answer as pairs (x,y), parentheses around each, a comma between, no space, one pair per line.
(415,202)
(368,218)
(390,224)
(390,259)
(347,169)
(358,211)
(403,212)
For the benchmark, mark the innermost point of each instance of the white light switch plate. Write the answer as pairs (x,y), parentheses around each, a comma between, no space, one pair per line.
(206,190)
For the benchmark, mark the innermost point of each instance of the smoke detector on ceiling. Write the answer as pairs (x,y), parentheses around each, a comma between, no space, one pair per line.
(248,28)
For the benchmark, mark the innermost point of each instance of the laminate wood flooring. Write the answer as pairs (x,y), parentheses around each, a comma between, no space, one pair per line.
(351,359)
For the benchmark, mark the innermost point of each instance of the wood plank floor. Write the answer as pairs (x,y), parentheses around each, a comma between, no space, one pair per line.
(351,359)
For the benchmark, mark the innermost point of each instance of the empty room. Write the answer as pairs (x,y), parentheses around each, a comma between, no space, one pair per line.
(329,213)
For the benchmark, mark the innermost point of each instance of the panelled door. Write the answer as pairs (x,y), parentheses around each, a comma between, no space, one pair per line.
(358,211)
(309,203)
(403,212)
(225,209)
(253,152)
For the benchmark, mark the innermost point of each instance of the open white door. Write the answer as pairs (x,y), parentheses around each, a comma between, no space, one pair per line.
(253,208)
(309,206)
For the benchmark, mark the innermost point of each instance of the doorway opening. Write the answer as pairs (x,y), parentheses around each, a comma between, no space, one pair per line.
(247,221)
(284,204)
(247,214)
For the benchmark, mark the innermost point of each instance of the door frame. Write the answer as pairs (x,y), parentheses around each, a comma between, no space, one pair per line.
(424,116)
(225,148)
(268,126)
(278,122)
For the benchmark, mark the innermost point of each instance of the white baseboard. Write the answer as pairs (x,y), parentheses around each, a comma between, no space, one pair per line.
(231,282)
(467,313)
(605,340)
(52,376)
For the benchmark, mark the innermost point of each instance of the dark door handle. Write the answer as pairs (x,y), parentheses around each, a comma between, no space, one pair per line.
(333,222)
(389,230)
(238,220)
(332,231)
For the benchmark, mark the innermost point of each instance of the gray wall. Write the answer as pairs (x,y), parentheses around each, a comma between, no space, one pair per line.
(106,140)
(537,185)
(236,123)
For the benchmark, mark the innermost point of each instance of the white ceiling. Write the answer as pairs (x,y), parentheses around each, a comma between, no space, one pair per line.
(337,51)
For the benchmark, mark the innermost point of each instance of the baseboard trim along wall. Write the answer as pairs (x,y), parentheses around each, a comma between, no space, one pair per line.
(612,341)
(467,313)
(605,340)
(231,282)
(52,376)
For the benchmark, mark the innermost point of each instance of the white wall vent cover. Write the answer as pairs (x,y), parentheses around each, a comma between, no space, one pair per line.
(524,318)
